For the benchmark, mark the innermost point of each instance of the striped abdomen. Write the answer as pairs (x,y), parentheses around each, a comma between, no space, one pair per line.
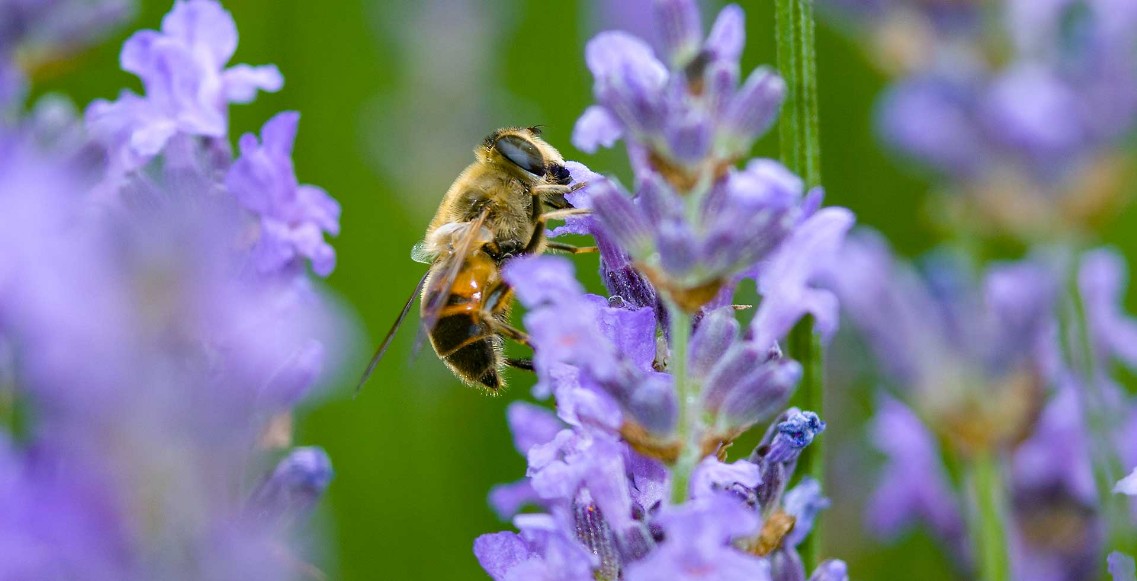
(463,335)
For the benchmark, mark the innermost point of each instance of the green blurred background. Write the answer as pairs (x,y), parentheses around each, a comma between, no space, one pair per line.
(393,98)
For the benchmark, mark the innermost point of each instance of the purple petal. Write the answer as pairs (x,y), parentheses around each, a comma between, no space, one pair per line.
(787,294)
(1122,567)
(596,128)
(498,553)
(204,26)
(531,425)
(831,570)
(1127,485)
(507,500)
(680,29)
(712,476)
(804,502)
(243,81)
(728,34)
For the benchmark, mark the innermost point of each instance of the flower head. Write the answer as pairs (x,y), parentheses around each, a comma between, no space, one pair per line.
(188,88)
(972,354)
(293,217)
(159,366)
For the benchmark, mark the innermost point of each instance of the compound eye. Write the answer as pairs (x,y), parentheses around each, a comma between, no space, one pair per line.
(522,153)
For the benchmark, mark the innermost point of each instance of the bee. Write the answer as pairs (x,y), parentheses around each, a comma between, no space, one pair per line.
(497,209)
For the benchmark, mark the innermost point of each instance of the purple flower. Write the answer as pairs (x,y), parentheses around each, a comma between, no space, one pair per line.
(949,340)
(743,381)
(913,486)
(149,359)
(1101,281)
(35,34)
(188,88)
(293,217)
(1121,567)
(931,121)
(1057,455)
(744,218)
(542,551)
(294,486)
(610,350)
(1127,485)
(652,104)
(634,476)
(161,368)
(788,280)
(698,545)
(1035,125)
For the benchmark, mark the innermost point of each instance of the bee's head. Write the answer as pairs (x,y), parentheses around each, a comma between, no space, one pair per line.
(523,149)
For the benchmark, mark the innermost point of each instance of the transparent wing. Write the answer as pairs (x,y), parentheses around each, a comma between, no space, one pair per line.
(390,334)
(420,254)
(447,267)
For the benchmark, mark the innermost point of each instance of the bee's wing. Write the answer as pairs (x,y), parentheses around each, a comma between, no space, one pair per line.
(390,334)
(447,267)
(420,254)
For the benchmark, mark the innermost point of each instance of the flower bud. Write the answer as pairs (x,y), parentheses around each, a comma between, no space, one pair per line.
(294,486)
(760,393)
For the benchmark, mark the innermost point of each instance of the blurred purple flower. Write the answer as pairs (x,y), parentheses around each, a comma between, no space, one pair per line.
(1101,281)
(938,333)
(932,121)
(154,359)
(1122,567)
(188,88)
(293,217)
(293,487)
(914,484)
(1127,485)
(1038,123)
(35,33)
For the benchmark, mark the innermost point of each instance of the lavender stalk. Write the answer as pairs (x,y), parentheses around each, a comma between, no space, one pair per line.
(990,528)
(801,152)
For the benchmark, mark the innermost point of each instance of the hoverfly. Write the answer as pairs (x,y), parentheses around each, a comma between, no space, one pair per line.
(494,211)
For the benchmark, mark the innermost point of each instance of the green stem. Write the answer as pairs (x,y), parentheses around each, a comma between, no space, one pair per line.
(989,521)
(801,153)
(685,398)
(1096,414)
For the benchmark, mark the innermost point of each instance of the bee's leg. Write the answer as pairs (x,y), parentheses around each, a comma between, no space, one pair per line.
(508,331)
(542,190)
(526,364)
(561,246)
(562,214)
(557,202)
(539,225)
